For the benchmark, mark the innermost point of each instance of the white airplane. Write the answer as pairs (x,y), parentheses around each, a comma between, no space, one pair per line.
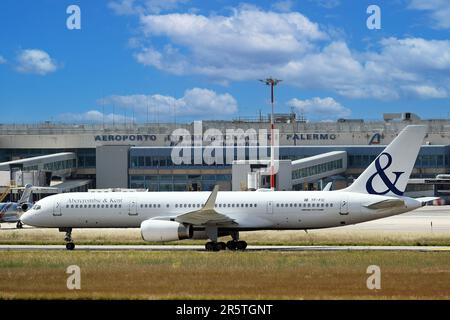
(170,216)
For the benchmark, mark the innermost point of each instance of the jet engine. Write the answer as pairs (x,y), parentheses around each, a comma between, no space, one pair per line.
(25,206)
(163,230)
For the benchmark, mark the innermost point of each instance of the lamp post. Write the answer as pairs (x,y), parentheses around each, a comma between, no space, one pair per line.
(272,83)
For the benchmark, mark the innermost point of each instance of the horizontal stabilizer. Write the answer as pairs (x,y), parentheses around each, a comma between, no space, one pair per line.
(425,200)
(385,204)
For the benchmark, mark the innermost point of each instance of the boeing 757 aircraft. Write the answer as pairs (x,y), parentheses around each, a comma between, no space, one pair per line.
(169,216)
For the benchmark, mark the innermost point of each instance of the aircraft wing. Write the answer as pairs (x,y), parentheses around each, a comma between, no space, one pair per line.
(207,215)
(385,204)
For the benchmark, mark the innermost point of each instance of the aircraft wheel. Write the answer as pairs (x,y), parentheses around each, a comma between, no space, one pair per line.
(70,245)
(241,245)
(222,245)
(231,245)
(209,246)
(19,225)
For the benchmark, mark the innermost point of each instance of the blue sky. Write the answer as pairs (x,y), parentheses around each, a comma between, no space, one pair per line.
(194,60)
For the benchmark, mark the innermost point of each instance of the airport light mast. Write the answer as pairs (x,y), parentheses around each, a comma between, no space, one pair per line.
(272,83)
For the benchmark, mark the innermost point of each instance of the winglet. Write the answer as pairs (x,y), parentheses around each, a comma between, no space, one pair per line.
(328,186)
(210,203)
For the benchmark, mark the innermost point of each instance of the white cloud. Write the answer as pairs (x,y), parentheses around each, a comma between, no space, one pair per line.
(123,7)
(130,7)
(425,91)
(251,43)
(323,107)
(94,116)
(328,4)
(195,102)
(439,11)
(230,46)
(35,61)
(283,6)
(2,60)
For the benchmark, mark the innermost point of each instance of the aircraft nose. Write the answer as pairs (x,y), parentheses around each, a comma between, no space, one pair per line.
(27,218)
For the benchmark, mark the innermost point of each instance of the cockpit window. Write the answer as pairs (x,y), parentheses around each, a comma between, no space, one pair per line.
(36,207)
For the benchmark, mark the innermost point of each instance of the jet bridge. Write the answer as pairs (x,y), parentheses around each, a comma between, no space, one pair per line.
(58,164)
(318,167)
(291,174)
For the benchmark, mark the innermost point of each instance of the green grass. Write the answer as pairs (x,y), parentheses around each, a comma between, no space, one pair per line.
(224,275)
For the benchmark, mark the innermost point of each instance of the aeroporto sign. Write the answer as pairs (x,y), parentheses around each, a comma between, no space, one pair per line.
(125,137)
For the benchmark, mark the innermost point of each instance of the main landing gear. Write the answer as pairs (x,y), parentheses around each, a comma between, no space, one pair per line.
(70,245)
(231,245)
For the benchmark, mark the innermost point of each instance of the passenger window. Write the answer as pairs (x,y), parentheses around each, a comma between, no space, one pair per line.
(290,205)
(103,205)
(246,205)
(331,205)
(67,205)
(255,205)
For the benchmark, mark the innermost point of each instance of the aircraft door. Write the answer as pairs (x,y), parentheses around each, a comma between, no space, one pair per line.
(57,207)
(132,208)
(343,210)
(269,207)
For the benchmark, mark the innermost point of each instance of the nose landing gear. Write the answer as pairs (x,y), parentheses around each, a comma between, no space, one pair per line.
(70,245)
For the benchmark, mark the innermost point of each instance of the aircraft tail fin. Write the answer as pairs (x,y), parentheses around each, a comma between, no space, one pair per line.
(388,174)
(26,195)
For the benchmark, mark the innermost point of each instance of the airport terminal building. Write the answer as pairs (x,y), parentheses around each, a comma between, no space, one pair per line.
(141,155)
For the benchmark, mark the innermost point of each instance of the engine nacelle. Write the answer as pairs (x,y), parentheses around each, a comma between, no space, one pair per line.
(25,206)
(163,230)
